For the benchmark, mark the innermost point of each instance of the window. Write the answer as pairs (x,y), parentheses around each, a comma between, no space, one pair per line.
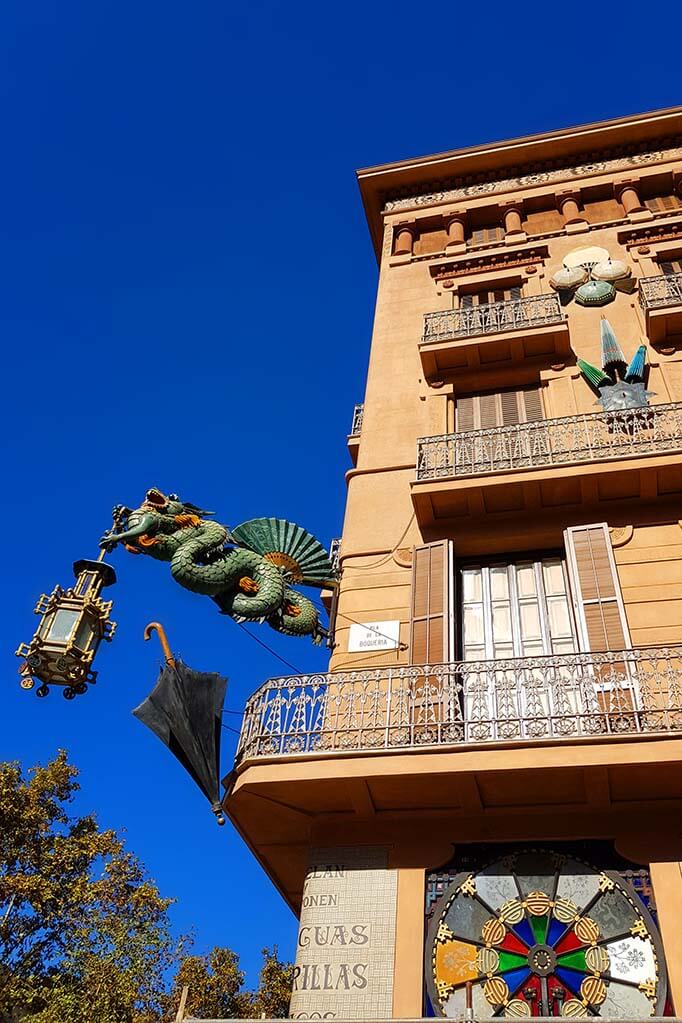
(486,235)
(516,609)
(670,266)
(663,203)
(488,295)
(504,408)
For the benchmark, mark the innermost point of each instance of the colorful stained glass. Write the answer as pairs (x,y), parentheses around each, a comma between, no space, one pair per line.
(512,944)
(456,962)
(545,951)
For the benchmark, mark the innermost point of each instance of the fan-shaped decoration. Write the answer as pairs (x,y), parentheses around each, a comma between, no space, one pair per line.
(595,293)
(583,945)
(618,388)
(611,354)
(586,257)
(611,270)
(594,375)
(302,557)
(566,278)
(635,370)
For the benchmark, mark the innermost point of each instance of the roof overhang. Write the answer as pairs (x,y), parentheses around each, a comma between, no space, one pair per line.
(418,174)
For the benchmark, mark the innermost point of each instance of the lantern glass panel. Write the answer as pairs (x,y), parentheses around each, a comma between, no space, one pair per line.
(85,633)
(44,626)
(84,583)
(62,625)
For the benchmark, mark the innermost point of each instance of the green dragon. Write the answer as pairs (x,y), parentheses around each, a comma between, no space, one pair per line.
(247,571)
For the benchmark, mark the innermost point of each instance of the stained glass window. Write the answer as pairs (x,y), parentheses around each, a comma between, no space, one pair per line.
(542,932)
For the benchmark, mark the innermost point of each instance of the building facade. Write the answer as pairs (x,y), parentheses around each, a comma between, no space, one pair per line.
(480,803)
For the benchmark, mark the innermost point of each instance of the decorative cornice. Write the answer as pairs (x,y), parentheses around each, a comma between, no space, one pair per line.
(487,263)
(458,188)
(651,233)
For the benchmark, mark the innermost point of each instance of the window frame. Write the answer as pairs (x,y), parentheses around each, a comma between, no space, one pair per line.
(510,561)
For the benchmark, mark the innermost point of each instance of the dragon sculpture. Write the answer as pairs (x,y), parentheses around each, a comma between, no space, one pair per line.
(248,571)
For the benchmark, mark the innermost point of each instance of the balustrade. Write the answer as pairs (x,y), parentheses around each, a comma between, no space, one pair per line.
(628,433)
(524,699)
(492,318)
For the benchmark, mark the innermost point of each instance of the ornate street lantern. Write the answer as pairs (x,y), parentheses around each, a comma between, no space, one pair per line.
(73,623)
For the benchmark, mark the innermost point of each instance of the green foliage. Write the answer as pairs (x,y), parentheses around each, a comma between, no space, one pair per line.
(84,933)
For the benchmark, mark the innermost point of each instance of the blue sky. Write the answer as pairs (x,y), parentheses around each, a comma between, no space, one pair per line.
(188,288)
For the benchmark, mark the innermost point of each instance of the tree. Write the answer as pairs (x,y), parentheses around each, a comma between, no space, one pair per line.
(274,987)
(86,935)
(84,932)
(215,987)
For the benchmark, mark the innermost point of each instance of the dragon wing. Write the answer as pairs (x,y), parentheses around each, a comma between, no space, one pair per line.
(289,546)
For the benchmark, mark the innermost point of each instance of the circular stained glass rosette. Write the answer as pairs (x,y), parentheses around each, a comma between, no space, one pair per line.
(595,293)
(538,933)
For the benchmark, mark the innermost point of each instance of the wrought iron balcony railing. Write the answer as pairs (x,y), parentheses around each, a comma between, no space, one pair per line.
(661,291)
(524,699)
(534,311)
(628,433)
(356,427)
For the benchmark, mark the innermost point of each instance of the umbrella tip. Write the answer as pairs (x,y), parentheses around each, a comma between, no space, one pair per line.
(219,815)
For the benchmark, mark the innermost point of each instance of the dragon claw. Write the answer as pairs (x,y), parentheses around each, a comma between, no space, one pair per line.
(248,585)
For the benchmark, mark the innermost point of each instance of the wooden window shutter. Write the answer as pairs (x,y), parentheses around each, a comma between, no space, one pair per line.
(431,613)
(595,587)
(508,408)
(532,404)
(465,414)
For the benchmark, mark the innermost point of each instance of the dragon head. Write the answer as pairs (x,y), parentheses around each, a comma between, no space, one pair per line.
(158,513)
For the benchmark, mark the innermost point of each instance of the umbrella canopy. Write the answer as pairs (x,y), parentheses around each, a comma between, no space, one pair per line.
(184,709)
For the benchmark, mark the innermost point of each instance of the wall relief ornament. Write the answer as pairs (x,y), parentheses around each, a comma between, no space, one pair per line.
(592,277)
(618,385)
(460,190)
(620,535)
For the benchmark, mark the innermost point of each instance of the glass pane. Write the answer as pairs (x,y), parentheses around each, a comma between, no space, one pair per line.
(471,584)
(499,582)
(62,626)
(559,617)
(504,650)
(502,626)
(84,634)
(525,580)
(84,583)
(553,575)
(530,621)
(473,626)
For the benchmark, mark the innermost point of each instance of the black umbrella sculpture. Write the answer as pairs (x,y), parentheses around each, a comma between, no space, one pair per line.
(185,710)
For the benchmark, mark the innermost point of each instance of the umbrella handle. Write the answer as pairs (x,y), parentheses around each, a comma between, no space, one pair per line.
(157,627)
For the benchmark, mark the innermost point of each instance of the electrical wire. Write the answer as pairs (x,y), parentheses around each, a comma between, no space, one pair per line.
(270,650)
(386,557)
(228,728)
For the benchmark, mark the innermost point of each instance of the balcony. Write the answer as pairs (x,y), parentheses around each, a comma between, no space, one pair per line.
(629,454)
(355,431)
(661,300)
(526,699)
(494,336)
(515,749)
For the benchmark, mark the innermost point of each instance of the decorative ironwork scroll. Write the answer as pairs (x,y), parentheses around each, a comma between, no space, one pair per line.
(492,318)
(524,698)
(598,436)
